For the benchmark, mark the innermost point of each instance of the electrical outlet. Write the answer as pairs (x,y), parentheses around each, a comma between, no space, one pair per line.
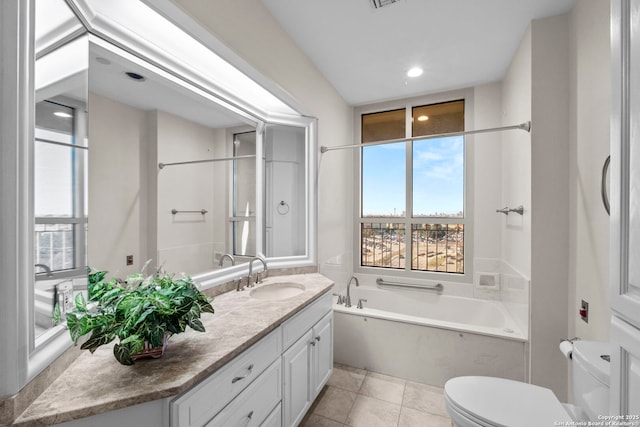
(129,259)
(65,294)
(584,311)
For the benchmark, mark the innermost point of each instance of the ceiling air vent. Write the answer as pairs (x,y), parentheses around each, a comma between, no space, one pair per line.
(377,4)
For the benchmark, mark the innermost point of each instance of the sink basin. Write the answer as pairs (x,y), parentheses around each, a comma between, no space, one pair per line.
(276,291)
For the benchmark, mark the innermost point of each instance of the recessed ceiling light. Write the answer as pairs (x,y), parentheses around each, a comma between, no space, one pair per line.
(135,76)
(414,72)
(62,114)
(423,118)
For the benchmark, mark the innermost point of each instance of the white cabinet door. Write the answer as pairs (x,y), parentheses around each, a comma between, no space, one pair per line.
(297,375)
(625,366)
(625,160)
(625,209)
(322,353)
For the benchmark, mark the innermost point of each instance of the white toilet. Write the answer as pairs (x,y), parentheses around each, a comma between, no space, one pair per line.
(489,401)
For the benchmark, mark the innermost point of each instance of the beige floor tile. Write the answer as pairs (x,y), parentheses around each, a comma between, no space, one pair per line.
(347,378)
(383,387)
(424,398)
(335,404)
(315,420)
(370,412)
(413,418)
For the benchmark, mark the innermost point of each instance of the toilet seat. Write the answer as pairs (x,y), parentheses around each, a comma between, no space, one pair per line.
(498,402)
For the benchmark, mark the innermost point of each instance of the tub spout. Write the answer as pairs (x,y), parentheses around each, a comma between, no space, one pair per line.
(347,299)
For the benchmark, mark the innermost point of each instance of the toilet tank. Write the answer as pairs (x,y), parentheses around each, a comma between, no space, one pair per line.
(591,371)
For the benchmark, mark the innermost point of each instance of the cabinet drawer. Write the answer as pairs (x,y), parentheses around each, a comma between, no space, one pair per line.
(274,419)
(299,324)
(202,402)
(255,403)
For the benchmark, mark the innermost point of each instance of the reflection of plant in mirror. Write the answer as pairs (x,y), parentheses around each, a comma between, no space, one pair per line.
(137,311)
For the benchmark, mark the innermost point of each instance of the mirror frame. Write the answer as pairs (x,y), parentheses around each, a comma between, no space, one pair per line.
(22,360)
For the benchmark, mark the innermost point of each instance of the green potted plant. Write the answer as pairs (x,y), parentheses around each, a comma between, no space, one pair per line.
(141,312)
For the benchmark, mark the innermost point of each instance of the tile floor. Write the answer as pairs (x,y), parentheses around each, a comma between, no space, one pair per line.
(358,398)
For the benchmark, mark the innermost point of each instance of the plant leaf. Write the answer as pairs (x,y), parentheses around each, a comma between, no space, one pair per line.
(122,354)
(155,334)
(196,324)
(96,340)
(56,316)
(80,302)
(74,326)
(135,343)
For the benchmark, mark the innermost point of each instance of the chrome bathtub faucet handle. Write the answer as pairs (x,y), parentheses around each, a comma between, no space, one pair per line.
(360,301)
(340,298)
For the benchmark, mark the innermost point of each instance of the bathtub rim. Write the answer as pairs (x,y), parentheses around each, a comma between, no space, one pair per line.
(516,335)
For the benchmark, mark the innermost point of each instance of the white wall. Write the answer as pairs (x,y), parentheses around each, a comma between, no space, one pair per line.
(487,181)
(590,98)
(117,135)
(516,159)
(250,31)
(549,201)
(535,171)
(130,201)
(187,241)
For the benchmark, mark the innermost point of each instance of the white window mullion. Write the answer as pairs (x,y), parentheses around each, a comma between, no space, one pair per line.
(409,189)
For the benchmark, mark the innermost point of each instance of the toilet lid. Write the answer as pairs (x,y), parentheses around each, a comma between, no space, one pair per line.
(502,402)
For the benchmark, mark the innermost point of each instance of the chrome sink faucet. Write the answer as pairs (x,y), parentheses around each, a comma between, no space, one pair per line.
(258,279)
(347,299)
(233,261)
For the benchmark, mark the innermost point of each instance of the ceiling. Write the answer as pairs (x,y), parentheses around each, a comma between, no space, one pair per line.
(107,78)
(366,52)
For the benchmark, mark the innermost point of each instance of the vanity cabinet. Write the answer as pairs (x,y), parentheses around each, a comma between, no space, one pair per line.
(308,362)
(226,389)
(270,384)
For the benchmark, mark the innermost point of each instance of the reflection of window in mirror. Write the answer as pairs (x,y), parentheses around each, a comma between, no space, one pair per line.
(60,209)
(243,222)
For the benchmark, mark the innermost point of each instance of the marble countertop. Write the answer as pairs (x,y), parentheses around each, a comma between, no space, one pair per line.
(97,383)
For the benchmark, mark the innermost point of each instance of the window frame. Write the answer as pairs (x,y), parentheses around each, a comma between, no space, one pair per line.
(468,218)
(79,218)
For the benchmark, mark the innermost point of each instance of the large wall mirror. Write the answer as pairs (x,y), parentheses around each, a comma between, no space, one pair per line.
(146,152)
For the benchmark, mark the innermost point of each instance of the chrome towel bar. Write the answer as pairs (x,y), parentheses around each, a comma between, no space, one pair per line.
(437,287)
(201,211)
(519,210)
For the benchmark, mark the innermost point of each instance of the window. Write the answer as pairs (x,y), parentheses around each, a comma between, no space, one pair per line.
(60,200)
(412,211)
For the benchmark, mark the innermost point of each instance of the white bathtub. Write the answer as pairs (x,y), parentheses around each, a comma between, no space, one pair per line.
(427,337)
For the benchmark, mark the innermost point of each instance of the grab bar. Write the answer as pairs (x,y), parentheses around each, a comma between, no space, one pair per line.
(437,287)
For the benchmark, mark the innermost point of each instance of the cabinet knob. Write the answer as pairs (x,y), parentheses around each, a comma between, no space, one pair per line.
(313,343)
(318,338)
